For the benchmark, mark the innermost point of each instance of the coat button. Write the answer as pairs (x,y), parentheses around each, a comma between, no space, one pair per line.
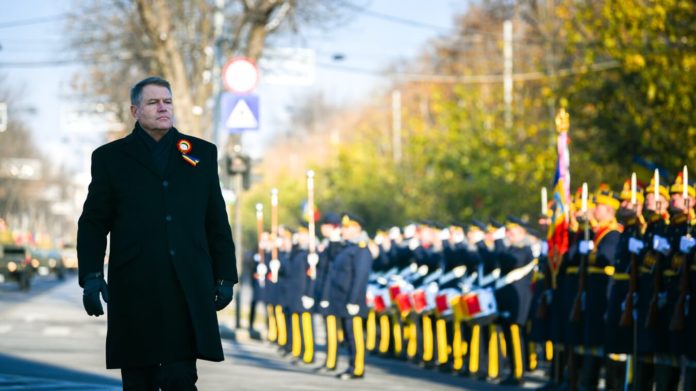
(172,252)
(165,183)
(169,218)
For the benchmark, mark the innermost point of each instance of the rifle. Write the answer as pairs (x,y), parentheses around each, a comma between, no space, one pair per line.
(627,315)
(653,309)
(543,307)
(576,312)
(677,322)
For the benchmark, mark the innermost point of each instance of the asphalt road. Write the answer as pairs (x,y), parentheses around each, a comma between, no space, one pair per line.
(47,342)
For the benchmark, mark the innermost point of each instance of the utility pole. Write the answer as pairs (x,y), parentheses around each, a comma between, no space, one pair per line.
(507,72)
(396,126)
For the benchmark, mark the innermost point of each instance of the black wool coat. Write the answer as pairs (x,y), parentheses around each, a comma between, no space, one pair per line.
(170,241)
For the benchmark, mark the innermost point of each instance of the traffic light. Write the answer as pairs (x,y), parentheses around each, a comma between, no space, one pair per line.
(240,164)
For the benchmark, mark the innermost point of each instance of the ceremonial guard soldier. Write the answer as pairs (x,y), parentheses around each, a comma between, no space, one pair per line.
(652,334)
(348,278)
(620,325)
(601,257)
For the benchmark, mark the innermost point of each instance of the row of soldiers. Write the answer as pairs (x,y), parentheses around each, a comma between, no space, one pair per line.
(460,297)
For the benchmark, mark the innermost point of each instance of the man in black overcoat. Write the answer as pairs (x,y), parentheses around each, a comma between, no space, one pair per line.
(157,194)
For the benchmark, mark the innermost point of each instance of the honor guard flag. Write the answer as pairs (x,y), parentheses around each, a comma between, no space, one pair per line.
(558,226)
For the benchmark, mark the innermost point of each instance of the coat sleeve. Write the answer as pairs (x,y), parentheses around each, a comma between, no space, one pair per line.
(362,264)
(218,232)
(96,220)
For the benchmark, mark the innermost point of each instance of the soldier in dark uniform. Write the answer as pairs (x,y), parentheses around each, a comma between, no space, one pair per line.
(514,299)
(668,369)
(652,334)
(601,263)
(568,292)
(348,278)
(620,328)
(329,249)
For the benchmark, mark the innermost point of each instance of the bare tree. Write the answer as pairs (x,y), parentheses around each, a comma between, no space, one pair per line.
(124,40)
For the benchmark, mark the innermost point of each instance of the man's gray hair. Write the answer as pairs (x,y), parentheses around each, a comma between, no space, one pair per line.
(137,90)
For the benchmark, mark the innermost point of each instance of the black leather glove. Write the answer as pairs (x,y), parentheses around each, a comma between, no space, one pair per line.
(223,294)
(93,285)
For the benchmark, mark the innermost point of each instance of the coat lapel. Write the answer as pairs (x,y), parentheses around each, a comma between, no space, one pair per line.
(137,149)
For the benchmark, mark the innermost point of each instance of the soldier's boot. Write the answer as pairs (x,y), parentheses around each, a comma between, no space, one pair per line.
(690,377)
(644,376)
(591,366)
(666,377)
(574,365)
(615,373)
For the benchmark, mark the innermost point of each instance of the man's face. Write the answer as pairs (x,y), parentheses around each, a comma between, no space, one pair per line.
(604,213)
(155,112)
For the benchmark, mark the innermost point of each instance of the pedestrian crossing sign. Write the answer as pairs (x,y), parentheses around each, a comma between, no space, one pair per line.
(239,112)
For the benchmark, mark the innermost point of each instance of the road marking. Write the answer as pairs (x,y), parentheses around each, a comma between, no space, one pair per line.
(5,328)
(56,331)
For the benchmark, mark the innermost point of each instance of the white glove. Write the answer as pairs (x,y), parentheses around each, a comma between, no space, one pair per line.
(444,234)
(379,240)
(353,309)
(661,244)
(261,270)
(499,233)
(335,235)
(536,250)
(661,299)
(458,237)
(477,236)
(586,246)
(544,248)
(686,243)
(324,304)
(413,244)
(313,259)
(307,302)
(549,295)
(635,245)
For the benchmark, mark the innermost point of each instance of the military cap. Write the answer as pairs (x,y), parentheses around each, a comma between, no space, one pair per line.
(626,192)
(662,189)
(331,218)
(513,220)
(478,224)
(605,196)
(348,219)
(678,187)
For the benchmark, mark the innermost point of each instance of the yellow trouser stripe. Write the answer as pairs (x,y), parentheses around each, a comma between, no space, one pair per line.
(549,350)
(412,348)
(503,344)
(331,342)
(371,341)
(427,338)
(384,331)
(272,326)
(629,370)
(282,329)
(359,346)
(533,360)
(308,334)
(517,351)
(493,369)
(398,339)
(441,327)
(457,353)
(475,341)
(341,336)
(296,335)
